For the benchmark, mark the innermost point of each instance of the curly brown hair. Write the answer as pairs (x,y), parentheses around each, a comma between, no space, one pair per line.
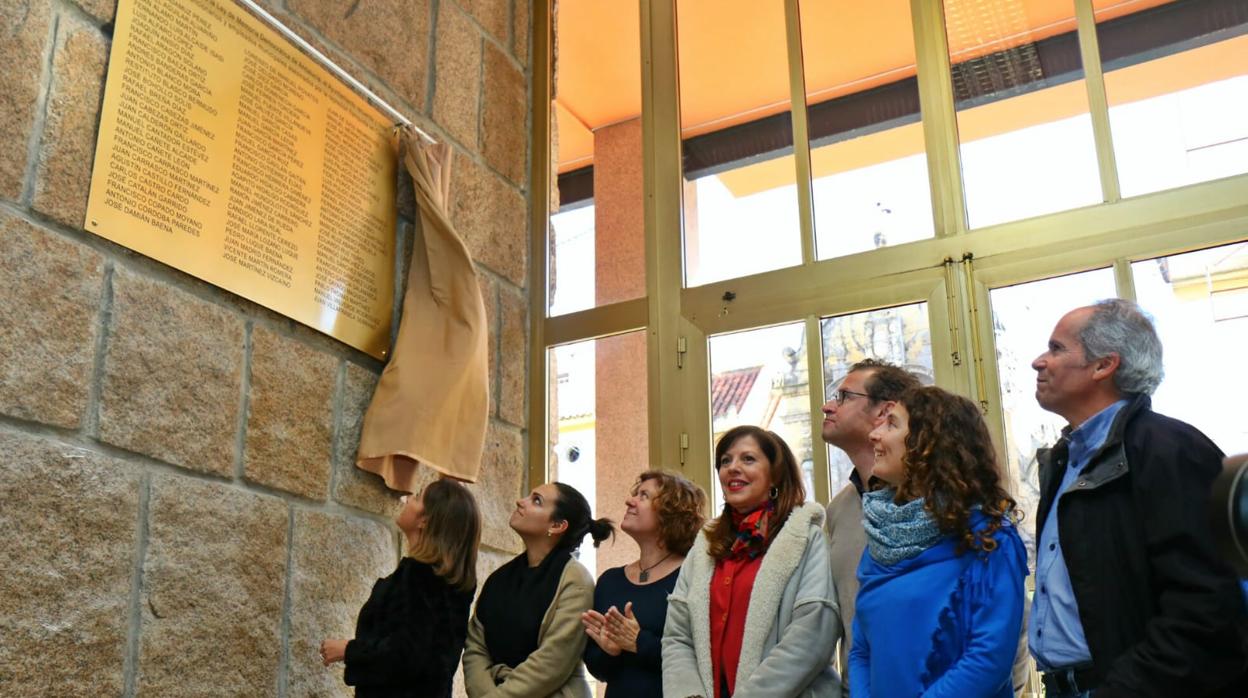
(680,507)
(950,463)
(786,476)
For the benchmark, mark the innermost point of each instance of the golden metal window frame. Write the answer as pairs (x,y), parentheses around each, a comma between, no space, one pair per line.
(1111,234)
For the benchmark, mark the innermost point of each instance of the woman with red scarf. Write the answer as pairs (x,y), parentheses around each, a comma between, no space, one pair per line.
(754,610)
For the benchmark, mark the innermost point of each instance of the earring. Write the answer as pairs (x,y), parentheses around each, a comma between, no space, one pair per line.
(774,492)
(548,534)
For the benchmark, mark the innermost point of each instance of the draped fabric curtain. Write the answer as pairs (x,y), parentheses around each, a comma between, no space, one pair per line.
(430,407)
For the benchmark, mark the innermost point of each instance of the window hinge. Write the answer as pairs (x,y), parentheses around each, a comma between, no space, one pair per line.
(682,348)
(684,446)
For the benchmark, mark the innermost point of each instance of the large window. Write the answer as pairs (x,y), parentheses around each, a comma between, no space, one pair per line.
(747,197)
(1176,77)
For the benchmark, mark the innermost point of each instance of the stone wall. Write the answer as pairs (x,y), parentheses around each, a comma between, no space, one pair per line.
(181,511)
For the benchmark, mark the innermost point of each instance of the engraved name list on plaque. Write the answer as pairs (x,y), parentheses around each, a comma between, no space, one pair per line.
(227,153)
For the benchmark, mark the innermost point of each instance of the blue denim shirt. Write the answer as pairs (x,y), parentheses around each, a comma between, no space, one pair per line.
(1056,635)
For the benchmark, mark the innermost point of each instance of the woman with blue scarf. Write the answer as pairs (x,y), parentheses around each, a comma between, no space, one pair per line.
(940,602)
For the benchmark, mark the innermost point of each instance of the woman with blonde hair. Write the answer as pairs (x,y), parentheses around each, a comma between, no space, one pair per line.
(412,629)
(663,514)
(940,598)
(525,640)
(754,610)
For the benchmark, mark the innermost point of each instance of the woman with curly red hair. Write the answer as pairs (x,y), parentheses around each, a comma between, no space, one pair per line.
(663,514)
(940,602)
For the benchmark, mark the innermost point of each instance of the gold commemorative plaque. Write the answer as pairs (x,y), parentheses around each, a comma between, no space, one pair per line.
(226,152)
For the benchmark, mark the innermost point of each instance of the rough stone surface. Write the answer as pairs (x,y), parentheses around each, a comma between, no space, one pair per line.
(327,591)
(489,295)
(63,176)
(504,130)
(491,217)
(103,10)
(355,487)
(172,376)
(290,416)
(493,15)
(456,96)
(51,289)
(389,37)
(513,357)
(502,475)
(25,28)
(70,519)
(522,31)
(214,581)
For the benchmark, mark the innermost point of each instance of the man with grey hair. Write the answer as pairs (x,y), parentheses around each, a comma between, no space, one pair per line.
(1131,596)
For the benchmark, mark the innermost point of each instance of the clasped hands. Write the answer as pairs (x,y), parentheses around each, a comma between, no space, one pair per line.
(614,631)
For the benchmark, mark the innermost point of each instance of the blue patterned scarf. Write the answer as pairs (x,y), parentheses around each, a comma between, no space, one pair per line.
(896,532)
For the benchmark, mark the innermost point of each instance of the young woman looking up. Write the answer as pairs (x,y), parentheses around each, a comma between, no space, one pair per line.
(526,640)
(940,601)
(412,629)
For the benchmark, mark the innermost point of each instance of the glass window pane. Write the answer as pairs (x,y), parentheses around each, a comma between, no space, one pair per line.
(1199,301)
(599,441)
(1023,317)
(898,335)
(1022,109)
(868,167)
(597,244)
(740,198)
(1176,78)
(760,377)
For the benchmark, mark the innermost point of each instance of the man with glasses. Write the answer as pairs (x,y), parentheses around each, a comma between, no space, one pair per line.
(1131,597)
(862,398)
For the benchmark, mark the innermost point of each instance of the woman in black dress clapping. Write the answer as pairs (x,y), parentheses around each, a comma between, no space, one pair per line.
(663,515)
(412,629)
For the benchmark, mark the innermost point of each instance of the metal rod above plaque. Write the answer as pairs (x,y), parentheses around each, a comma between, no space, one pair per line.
(227,153)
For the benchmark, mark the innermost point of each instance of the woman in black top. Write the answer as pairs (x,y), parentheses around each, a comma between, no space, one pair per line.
(412,629)
(525,640)
(663,515)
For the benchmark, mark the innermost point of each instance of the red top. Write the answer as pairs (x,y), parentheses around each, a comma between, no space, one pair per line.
(730,601)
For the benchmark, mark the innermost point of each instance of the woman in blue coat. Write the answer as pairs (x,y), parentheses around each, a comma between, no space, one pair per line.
(940,602)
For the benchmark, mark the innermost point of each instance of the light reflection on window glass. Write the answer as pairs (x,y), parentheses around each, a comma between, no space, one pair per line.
(1199,302)
(868,167)
(740,193)
(572,260)
(1176,79)
(1023,317)
(1022,110)
(599,440)
(760,377)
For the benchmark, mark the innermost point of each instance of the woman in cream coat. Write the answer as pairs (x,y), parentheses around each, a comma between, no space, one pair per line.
(767,547)
(525,639)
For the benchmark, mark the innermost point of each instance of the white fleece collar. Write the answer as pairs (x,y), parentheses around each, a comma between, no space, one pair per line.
(779,562)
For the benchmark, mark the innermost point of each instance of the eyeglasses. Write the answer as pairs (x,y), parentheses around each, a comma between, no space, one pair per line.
(842,395)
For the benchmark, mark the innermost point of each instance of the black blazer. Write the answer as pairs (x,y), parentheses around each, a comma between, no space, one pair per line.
(1163,614)
(409,635)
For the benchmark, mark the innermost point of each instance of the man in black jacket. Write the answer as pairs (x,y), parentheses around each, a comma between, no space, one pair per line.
(1131,597)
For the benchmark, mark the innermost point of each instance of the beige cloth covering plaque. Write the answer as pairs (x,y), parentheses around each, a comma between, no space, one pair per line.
(431,404)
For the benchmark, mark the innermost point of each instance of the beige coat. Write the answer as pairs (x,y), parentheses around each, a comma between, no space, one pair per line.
(431,404)
(846,541)
(791,625)
(554,668)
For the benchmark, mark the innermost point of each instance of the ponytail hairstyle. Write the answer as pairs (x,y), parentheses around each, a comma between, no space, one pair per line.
(451,535)
(572,508)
